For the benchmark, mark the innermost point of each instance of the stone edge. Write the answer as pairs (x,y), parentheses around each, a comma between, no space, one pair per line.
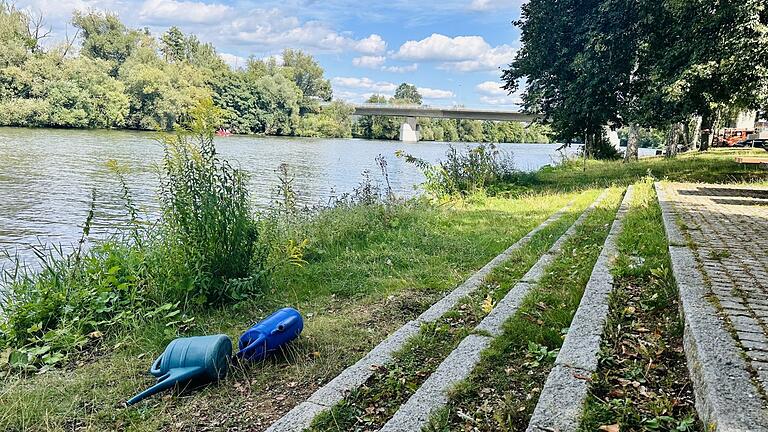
(415,413)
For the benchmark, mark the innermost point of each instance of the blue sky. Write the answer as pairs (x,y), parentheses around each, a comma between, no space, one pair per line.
(451,50)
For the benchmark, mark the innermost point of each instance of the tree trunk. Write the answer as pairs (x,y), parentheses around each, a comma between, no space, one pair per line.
(696,134)
(632,142)
(709,125)
(672,138)
(706,132)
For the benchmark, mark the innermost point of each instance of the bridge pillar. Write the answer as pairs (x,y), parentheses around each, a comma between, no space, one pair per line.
(410,130)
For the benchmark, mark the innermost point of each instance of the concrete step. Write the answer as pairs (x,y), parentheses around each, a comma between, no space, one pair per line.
(415,413)
(301,416)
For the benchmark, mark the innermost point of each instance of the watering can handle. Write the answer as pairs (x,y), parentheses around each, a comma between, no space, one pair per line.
(155,369)
(283,324)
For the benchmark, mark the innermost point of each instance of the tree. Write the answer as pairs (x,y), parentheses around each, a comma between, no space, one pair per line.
(308,76)
(174,45)
(106,37)
(15,42)
(408,93)
(564,82)
(335,121)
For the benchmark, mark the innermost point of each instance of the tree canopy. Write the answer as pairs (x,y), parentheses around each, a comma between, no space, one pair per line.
(645,62)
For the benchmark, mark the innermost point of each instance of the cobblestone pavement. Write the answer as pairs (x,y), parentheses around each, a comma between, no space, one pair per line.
(729,228)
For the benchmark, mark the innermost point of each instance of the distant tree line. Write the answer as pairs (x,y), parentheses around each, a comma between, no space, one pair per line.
(380,127)
(679,66)
(126,78)
(107,75)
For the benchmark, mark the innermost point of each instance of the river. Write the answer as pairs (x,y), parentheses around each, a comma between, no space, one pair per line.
(47,175)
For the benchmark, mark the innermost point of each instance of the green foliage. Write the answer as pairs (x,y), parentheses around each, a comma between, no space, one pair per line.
(307,74)
(643,62)
(207,219)
(15,41)
(126,78)
(204,250)
(462,173)
(334,121)
(105,36)
(646,137)
(407,93)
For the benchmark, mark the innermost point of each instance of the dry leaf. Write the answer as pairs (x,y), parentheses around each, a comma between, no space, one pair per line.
(609,428)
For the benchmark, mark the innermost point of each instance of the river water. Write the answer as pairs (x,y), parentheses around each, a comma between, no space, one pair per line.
(47,175)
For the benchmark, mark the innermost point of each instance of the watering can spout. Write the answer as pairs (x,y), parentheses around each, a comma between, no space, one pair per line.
(270,334)
(167,381)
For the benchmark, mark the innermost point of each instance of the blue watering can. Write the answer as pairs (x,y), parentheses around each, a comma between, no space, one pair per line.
(200,357)
(268,335)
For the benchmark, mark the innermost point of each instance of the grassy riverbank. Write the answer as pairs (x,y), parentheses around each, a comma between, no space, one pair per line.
(366,269)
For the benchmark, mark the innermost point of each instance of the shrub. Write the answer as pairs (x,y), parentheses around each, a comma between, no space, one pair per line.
(208,226)
(462,173)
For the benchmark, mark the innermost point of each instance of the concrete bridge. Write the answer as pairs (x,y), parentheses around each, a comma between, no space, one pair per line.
(409,131)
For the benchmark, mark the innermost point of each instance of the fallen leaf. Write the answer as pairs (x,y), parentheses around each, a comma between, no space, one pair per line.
(609,428)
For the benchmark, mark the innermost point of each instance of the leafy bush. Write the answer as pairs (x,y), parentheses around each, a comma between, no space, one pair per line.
(208,226)
(462,173)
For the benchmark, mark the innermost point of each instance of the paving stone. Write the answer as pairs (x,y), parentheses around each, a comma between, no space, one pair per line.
(493,322)
(302,415)
(726,397)
(562,399)
(557,413)
(355,375)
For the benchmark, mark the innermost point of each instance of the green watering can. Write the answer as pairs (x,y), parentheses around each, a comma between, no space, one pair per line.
(184,359)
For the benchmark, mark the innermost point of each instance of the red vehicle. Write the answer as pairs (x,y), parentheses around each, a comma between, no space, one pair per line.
(731,137)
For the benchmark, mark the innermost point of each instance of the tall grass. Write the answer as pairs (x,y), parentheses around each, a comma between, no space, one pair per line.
(208,226)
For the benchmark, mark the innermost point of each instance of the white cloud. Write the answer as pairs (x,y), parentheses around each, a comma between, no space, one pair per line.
(491,94)
(364,83)
(370,62)
(233,60)
(441,47)
(460,53)
(491,88)
(373,44)
(492,59)
(273,29)
(401,69)
(487,5)
(429,93)
(377,62)
(167,11)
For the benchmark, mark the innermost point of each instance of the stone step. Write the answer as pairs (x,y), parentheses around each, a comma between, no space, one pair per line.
(415,413)
(565,391)
(301,416)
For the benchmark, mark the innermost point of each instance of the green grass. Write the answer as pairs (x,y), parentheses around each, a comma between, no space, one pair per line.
(716,166)
(369,407)
(502,391)
(368,271)
(642,382)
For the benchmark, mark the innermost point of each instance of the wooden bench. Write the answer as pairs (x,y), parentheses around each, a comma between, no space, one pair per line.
(753,160)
